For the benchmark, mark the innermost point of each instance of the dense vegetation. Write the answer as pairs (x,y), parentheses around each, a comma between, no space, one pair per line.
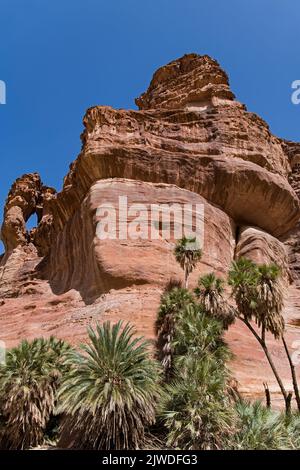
(114,393)
(28,386)
(111,390)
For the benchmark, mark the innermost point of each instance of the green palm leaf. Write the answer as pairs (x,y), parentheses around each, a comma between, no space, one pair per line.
(111,390)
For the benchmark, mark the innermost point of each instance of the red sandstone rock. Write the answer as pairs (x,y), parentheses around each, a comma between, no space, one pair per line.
(79,260)
(188,81)
(190,142)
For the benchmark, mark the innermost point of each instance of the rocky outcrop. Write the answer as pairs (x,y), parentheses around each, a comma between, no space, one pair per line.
(291,238)
(124,262)
(191,81)
(26,197)
(191,143)
(253,243)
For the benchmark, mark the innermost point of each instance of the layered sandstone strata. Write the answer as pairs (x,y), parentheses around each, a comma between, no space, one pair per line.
(190,142)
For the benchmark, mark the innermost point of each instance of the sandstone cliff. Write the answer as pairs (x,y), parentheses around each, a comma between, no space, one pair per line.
(189,142)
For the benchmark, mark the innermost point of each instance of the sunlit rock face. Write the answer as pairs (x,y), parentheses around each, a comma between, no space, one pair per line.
(190,143)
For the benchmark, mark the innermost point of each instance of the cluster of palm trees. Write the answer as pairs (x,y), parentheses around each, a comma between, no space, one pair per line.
(195,407)
(258,294)
(29,382)
(114,392)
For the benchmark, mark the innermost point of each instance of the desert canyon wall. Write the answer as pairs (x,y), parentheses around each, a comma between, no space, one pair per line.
(189,142)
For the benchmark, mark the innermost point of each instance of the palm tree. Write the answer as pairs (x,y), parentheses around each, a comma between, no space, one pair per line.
(111,391)
(187,254)
(28,385)
(196,406)
(196,409)
(172,302)
(260,428)
(292,423)
(258,296)
(269,316)
(198,336)
(243,280)
(269,300)
(210,291)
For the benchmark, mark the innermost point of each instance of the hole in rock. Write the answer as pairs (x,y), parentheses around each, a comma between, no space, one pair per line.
(32,222)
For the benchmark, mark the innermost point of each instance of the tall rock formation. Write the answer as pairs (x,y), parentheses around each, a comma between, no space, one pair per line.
(190,142)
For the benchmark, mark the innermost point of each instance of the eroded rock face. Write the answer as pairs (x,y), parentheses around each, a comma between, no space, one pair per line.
(190,142)
(80,260)
(190,81)
(26,197)
(253,243)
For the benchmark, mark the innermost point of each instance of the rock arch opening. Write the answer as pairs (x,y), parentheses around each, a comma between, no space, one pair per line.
(32,222)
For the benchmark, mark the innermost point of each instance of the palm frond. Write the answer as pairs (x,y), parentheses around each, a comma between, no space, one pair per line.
(28,385)
(209,292)
(111,390)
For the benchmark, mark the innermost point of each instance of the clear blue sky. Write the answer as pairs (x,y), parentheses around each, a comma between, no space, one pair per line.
(60,57)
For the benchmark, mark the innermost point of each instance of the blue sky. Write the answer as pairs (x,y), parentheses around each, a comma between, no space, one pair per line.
(60,57)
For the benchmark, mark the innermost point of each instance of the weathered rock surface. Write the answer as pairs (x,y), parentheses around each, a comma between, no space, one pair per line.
(80,260)
(190,142)
(27,196)
(189,81)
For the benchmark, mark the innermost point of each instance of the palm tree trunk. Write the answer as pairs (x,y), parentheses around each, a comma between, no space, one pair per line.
(293,372)
(286,396)
(263,333)
(186,276)
(268,395)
